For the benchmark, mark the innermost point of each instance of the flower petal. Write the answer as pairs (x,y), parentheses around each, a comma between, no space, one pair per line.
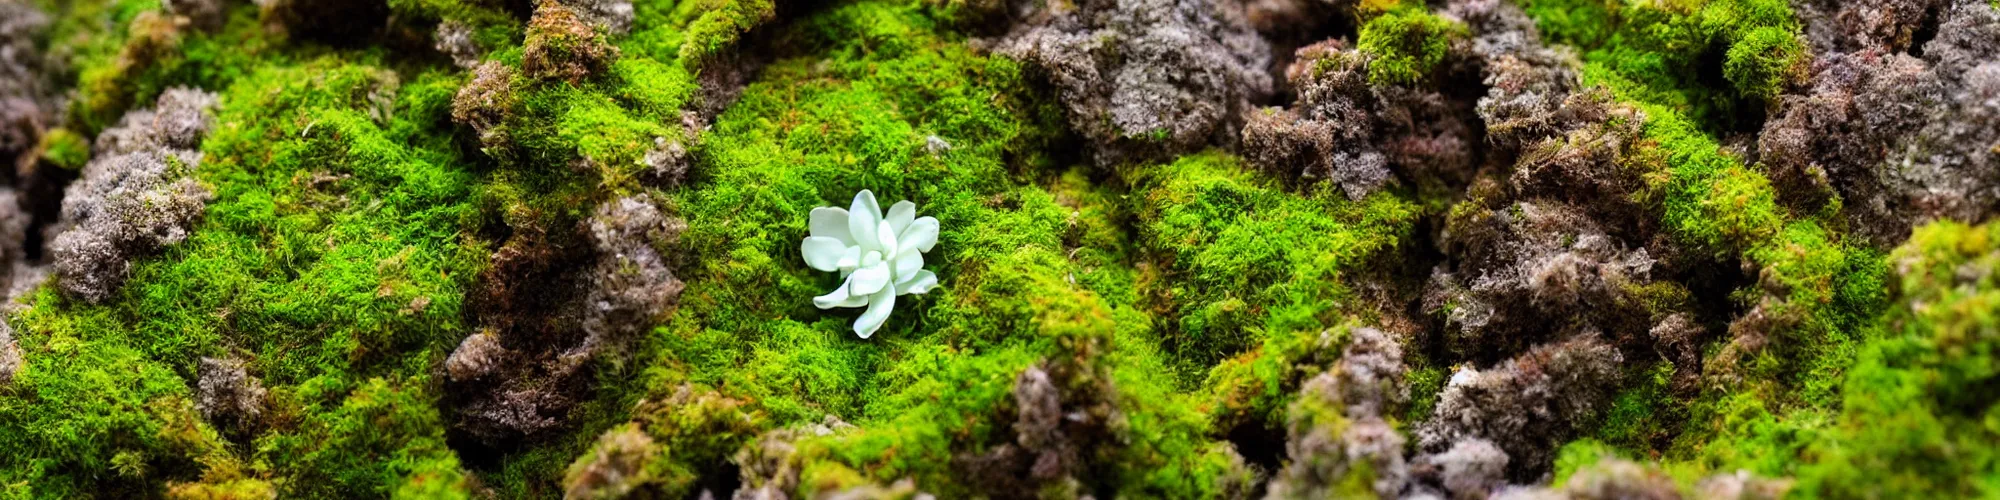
(879,306)
(921,236)
(850,259)
(869,279)
(823,253)
(907,264)
(830,222)
(900,215)
(839,298)
(886,238)
(863,219)
(917,283)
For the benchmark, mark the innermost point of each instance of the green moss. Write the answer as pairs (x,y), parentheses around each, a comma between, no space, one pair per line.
(65,149)
(1426,387)
(1713,202)
(1247,259)
(1910,401)
(1917,405)
(350,216)
(1407,44)
(1643,415)
(812,132)
(1328,417)
(382,438)
(1035,268)
(86,400)
(1764,61)
(1712,60)
(714,24)
(693,31)
(149,52)
(1822,296)
(1578,455)
(334,251)
(221,490)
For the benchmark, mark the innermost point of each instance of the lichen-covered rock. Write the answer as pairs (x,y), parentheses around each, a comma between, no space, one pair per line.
(614,16)
(1678,339)
(553,305)
(1528,405)
(512,380)
(454,39)
(1900,137)
(562,46)
(178,121)
(1054,432)
(632,282)
(10,354)
(1742,485)
(1331,134)
(445,237)
(1534,272)
(16,269)
(901,489)
(1886,25)
(1142,79)
(485,103)
(478,356)
(770,468)
(667,161)
(28,95)
(1471,468)
(1337,427)
(631,460)
(135,197)
(1526,80)
(526,399)
(228,395)
(614,467)
(1614,478)
(1366,114)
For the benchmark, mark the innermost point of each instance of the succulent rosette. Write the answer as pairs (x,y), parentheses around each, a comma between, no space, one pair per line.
(879,256)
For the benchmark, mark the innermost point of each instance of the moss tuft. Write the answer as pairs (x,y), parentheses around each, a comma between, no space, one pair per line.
(1407,44)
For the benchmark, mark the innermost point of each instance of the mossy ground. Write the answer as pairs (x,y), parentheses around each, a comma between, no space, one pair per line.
(351,217)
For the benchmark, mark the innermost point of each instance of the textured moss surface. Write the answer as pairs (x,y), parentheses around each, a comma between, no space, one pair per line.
(388,198)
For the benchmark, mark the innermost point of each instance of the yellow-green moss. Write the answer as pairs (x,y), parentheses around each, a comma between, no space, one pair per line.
(1407,44)
(1717,61)
(65,149)
(1246,259)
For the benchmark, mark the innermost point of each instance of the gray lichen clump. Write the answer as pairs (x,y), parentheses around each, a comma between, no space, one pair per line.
(1902,131)
(229,396)
(28,96)
(1527,406)
(135,196)
(1142,79)
(632,282)
(614,16)
(1349,131)
(10,355)
(1337,426)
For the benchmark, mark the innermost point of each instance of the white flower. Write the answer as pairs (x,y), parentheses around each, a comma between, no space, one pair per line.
(881,257)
